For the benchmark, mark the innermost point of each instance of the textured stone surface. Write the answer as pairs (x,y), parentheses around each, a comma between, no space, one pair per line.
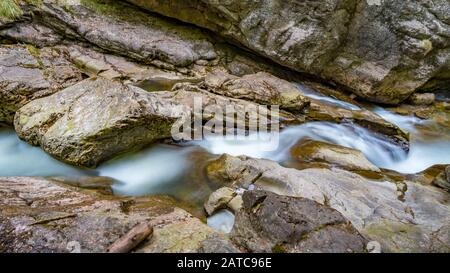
(346,158)
(273,223)
(27,73)
(381,50)
(402,216)
(95,120)
(37,215)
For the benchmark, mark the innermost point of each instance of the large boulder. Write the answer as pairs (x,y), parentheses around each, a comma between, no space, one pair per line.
(38,215)
(403,216)
(273,223)
(27,73)
(381,50)
(95,120)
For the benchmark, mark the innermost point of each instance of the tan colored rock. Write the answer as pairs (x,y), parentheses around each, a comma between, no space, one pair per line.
(28,73)
(262,88)
(96,120)
(219,199)
(346,158)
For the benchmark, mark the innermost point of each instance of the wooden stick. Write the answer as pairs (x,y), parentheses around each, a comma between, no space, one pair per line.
(48,220)
(130,240)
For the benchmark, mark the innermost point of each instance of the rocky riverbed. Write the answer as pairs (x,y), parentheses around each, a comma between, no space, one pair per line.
(91,91)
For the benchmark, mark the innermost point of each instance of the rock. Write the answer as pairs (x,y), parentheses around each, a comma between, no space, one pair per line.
(236,203)
(179,232)
(346,158)
(37,215)
(28,73)
(275,223)
(442,180)
(217,244)
(262,88)
(219,199)
(97,183)
(403,216)
(377,49)
(96,120)
(125,30)
(422,98)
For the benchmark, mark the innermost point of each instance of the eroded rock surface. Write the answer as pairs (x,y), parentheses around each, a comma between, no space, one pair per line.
(403,216)
(273,223)
(37,215)
(381,50)
(27,73)
(95,120)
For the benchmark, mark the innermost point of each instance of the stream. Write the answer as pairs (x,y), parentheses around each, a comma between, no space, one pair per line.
(166,169)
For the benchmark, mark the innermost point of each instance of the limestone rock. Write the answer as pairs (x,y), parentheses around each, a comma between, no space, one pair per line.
(96,120)
(346,158)
(273,223)
(403,216)
(37,215)
(381,50)
(422,98)
(28,73)
(261,87)
(219,199)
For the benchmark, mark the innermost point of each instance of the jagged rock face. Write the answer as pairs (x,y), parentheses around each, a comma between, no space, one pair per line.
(27,73)
(95,120)
(273,223)
(382,50)
(38,215)
(402,216)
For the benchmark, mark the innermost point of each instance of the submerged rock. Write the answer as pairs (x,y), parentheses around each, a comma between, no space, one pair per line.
(403,216)
(274,223)
(28,73)
(96,120)
(346,158)
(377,49)
(37,215)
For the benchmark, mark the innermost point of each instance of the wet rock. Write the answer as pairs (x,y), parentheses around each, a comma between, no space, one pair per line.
(219,199)
(261,87)
(37,215)
(346,158)
(28,73)
(273,223)
(422,98)
(236,203)
(375,48)
(217,244)
(97,183)
(96,120)
(403,216)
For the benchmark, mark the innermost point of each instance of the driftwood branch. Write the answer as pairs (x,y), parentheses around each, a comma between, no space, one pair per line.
(130,240)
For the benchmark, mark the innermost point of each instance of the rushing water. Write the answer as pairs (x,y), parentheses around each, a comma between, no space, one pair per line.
(165,169)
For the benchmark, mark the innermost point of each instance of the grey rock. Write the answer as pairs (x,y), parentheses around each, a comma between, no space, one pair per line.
(422,98)
(38,215)
(403,216)
(273,223)
(96,120)
(381,50)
